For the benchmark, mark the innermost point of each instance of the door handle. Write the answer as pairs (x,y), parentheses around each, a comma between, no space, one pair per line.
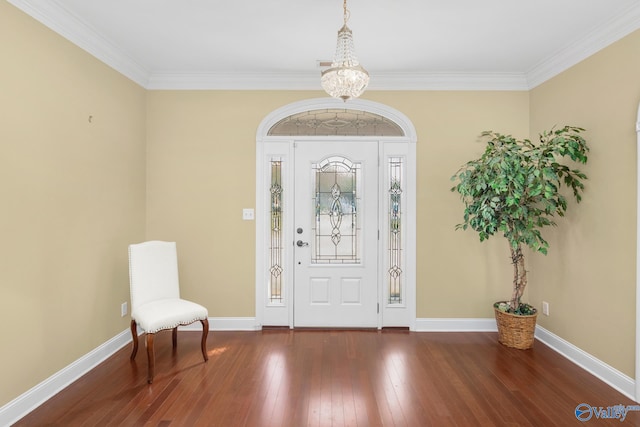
(300,243)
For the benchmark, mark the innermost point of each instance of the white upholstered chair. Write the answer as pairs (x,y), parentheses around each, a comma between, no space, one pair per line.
(155,297)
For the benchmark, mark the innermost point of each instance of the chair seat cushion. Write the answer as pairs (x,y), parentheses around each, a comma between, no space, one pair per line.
(167,313)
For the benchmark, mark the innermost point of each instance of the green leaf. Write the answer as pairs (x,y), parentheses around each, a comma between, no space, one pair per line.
(515,186)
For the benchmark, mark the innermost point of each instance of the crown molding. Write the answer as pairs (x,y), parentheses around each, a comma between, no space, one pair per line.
(234,81)
(52,15)
(448,81)
(311,81)
(622,25)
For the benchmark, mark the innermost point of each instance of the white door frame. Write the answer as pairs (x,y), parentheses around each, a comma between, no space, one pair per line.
(282,147)
(637,364)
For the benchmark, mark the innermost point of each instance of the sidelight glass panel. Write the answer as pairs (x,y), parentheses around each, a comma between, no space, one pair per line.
(395,218)
(275,246)
(336,230)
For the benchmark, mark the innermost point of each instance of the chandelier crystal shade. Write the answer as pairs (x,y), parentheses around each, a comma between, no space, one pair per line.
(346,78)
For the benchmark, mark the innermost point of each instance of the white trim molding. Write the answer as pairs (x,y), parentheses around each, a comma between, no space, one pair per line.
(30,400)
(436,81)
(36,396)
(282,147)
(596,367)
(57,18)
(226,324)
(637,365)
(456,325)
(567,56)
(321,103)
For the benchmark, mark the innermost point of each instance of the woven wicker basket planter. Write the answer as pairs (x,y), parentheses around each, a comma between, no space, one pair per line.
(515,331)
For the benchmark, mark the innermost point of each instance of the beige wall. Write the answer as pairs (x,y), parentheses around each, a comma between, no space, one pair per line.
(201,173)
(456,275)
(589,275)
(72,195)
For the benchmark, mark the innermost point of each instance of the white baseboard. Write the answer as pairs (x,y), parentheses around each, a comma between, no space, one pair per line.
(28,401)
(226,324)
(616,379)
(455,325)
(31,399)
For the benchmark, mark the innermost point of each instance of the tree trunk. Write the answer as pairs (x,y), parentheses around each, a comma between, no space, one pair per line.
(519,277)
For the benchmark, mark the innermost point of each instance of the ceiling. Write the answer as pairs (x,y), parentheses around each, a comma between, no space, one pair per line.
(276,44)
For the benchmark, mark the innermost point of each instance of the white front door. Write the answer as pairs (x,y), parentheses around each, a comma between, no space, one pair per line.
(356,266)
(336,234)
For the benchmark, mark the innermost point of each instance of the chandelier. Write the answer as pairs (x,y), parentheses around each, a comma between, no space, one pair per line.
(346,78)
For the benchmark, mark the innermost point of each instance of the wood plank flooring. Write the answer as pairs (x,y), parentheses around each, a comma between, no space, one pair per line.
(334,378)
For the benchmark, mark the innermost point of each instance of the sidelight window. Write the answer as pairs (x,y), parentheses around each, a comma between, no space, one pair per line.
(275,245)
(395,223)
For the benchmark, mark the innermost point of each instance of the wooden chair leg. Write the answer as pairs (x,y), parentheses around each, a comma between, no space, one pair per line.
(174,337)
(150,358)
(205,332)
(134,336)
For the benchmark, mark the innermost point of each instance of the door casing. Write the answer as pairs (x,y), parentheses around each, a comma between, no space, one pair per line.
(281,147)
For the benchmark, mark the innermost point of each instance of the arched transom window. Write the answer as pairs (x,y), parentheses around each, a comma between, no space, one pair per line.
(335,121)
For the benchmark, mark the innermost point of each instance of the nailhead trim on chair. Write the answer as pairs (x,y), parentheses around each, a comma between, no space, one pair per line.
(174,326)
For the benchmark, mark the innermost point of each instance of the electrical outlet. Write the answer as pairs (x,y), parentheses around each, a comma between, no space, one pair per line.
(545,308)
(123,309)
(248,214)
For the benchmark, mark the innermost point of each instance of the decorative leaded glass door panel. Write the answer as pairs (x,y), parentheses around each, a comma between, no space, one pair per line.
(336,234)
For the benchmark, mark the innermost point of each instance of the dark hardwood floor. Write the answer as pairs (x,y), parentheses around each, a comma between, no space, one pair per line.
(334,378)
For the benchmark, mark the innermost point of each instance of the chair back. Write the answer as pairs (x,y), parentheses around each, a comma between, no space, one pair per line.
(153,272)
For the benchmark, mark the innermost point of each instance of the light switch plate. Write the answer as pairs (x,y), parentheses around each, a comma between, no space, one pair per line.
(248,214)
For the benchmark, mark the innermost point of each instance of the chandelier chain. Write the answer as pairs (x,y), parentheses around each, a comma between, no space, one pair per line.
(346,13)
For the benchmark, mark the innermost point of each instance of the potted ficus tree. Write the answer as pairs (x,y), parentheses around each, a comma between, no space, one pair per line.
(515,189)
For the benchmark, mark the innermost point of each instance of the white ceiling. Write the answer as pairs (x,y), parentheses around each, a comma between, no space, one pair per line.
(275,44)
